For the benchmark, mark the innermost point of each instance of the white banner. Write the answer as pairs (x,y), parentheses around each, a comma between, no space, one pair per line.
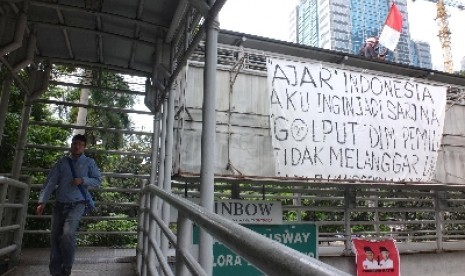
(334,123)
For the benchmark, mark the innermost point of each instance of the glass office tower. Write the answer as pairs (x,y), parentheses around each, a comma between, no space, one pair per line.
(422,54)
(343,25)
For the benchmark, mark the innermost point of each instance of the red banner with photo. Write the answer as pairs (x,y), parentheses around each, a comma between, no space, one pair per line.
(376,258)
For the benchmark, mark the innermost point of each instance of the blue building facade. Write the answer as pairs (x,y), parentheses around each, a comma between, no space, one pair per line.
(422,54)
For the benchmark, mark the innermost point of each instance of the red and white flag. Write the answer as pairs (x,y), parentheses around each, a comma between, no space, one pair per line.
(392,29)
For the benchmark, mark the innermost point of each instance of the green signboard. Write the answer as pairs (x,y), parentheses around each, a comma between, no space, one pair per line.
(301,237)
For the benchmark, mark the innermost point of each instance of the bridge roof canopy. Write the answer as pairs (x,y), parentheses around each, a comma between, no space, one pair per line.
(115,34)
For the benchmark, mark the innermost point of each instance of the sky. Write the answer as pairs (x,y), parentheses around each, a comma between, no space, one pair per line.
(270,18)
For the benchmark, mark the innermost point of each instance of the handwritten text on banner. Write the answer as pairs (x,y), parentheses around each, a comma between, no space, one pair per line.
(340,124)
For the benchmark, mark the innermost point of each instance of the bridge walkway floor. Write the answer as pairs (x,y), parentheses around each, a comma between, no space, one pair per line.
(89,261)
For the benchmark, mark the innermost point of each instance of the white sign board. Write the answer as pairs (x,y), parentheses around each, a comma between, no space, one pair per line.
(334,123)
(243,211)
(250,211)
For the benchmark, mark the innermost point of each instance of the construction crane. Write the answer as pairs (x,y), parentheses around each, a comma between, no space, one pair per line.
(444,30)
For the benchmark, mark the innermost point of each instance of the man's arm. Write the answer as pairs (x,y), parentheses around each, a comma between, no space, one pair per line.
(48,188)
(94,178)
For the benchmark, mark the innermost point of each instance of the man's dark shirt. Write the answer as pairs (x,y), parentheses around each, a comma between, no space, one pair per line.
(370,52)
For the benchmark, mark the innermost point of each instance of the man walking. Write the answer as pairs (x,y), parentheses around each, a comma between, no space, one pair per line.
(70,177)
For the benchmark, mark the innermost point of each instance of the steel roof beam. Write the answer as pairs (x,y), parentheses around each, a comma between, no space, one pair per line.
(87,64)
(178,16)
(16,78)
(140,9)
(100,41)
(65,34)
(215,9)
(90,31)
(201,6)
(19,31)
(109,89)
(101,14)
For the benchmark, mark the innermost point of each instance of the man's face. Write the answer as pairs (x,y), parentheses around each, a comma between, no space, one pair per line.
(77,147)
(385,254)
(369,255)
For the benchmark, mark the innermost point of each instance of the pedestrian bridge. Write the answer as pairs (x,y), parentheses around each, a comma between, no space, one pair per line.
(207,137)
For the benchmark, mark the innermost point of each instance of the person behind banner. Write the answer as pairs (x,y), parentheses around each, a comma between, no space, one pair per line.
(369,263)
(69,179)
(370,49)
(385,262)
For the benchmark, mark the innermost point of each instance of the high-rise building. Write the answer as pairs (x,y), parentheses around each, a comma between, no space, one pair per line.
(422,54)
(343,25)
(462,64)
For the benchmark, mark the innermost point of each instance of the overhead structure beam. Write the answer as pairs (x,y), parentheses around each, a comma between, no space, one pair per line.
(100,41)
(140,9)
(101,14)
(90,31)
(29,58)
(65,33)
(201,6)
(176,22)
(215,9)
(18,36)
(17,80)
(114,68)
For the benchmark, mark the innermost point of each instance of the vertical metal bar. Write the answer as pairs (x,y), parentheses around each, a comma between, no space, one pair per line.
(375,203)
(168,163)
(4,100)
(162,240)
(439,205)
(184,243)
(21,220)
(140,259)
(3,197)
(298,202)
(152,261)
(349,203)
(22,137)
(21,144)
(3,193)
(159,159)
(145,262)
(207,169)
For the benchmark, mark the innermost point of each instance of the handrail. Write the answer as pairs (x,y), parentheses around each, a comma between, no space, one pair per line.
(13,207)
(13,182)
(269,256)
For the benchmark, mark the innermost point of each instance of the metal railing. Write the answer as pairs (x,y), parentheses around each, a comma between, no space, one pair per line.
(271,257)
(13,207)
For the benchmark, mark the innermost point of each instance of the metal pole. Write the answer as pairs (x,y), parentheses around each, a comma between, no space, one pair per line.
(152,260)
(207,169)
(4,100)
(161,239)
(160,143)
(21,220)
(140,259)
(146,221)
(151,256)
(22,137)
(350,202)
(161,174)
(184,243)
(168,164)
(439,206)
